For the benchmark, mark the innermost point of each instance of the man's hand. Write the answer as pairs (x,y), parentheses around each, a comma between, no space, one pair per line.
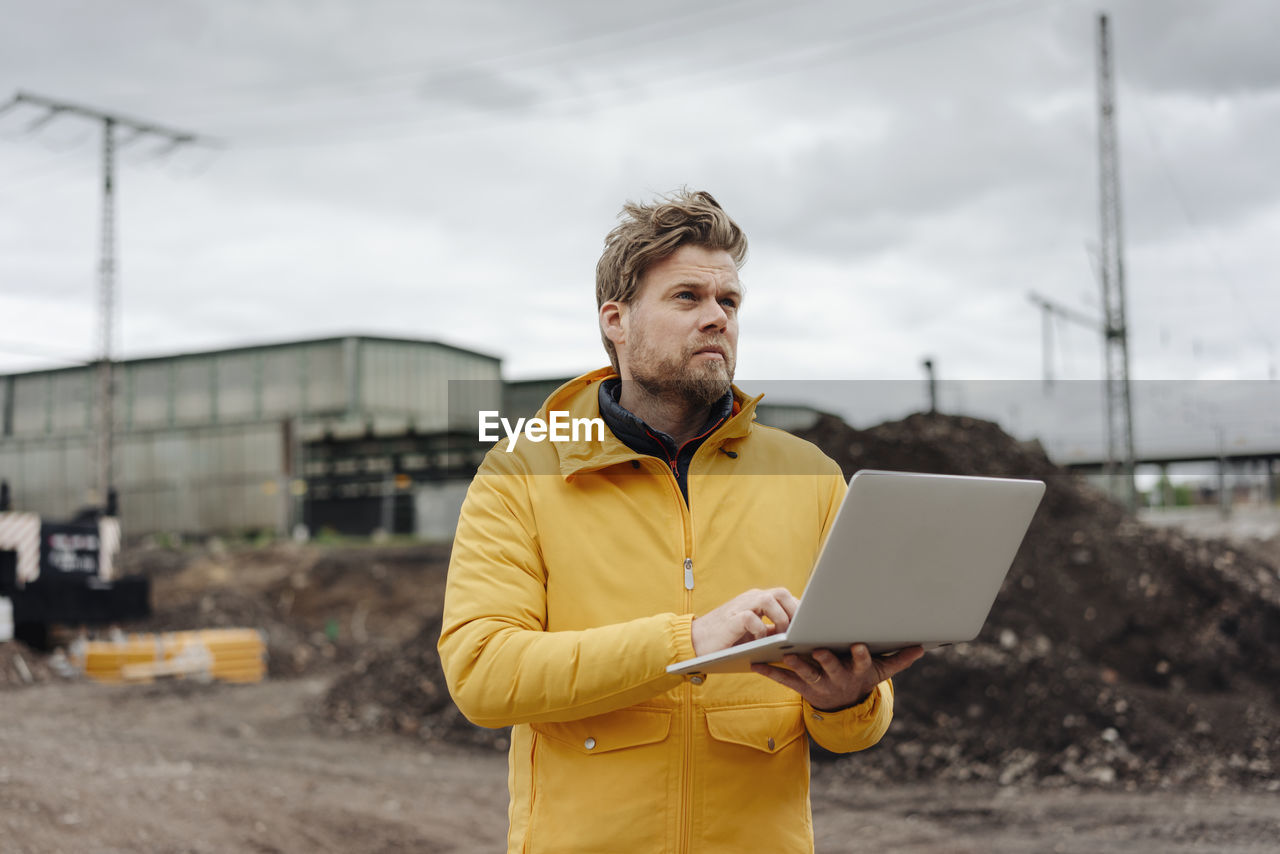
(742,619)
(830,684)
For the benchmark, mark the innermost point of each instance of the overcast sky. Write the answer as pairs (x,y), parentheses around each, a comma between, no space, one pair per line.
(906,173)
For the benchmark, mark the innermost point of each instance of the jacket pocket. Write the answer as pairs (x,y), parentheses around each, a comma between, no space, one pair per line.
(764,728)
(755,793)
(600,779)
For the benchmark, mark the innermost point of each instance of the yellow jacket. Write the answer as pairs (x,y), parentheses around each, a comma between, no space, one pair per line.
(576,572)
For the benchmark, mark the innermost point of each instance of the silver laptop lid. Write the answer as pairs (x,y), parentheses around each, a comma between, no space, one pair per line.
(914,558)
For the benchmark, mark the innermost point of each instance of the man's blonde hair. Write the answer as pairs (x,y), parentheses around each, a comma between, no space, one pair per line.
(648,233)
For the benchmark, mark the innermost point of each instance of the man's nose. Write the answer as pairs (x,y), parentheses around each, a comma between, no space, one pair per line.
(714,316)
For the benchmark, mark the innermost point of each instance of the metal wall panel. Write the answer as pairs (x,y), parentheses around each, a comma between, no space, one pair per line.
(481,389)
(77,473)
(9,465)
(326,385)
(223,478)
(72,395)
(283,375)
(47,476)
(11,469)
(237,387)
(31,400)
(148,395)
(413,378)
(193,393)
(39,467)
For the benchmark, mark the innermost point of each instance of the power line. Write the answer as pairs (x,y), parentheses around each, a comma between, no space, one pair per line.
(892,30)
(111,123)
(1215,259)
(666,29)
(920,16)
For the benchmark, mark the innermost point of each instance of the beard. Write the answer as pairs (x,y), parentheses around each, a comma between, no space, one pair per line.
(697,384)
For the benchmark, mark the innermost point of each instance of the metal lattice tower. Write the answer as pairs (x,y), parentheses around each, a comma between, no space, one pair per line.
(1119,408)
(107,258)
(106,311)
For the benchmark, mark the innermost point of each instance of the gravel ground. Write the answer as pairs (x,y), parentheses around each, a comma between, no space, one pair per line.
(187,769)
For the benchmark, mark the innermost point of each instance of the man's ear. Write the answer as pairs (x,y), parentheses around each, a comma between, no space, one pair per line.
(613,322)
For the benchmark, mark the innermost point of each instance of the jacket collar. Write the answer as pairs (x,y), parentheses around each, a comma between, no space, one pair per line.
(580,398)
(644,438)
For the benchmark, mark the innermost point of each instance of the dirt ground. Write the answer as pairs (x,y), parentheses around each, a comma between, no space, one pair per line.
(178,768)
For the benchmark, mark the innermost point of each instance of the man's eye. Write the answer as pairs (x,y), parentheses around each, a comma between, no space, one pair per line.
(729,302)
(686,295)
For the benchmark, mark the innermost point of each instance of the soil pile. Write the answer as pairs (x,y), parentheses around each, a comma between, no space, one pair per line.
(1115,653)
(403,691)
(320,607)
(316,605)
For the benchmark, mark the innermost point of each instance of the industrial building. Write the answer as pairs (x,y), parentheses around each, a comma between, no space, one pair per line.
(352,434)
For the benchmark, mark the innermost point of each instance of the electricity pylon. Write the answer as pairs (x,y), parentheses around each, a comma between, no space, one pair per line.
(111,122)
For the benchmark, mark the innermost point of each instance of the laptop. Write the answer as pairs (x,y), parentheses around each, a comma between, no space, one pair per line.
(911,559)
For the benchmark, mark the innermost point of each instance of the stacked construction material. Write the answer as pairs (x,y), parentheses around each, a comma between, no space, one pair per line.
(229,655)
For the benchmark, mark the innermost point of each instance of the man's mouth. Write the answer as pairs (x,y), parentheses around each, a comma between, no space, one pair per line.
(710,351)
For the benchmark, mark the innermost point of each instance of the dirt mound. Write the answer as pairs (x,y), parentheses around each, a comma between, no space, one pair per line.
(403,691)
(1115,653)
(292,650)
(317,606)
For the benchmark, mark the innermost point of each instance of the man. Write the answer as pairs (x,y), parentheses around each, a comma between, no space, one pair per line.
(581,569)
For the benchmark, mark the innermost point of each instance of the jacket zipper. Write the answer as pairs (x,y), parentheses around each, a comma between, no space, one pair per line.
(685,830)
(684,842)
(686,762)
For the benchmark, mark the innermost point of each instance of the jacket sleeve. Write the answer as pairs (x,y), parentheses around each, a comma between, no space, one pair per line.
(856,728)
(862,725)
(500,663)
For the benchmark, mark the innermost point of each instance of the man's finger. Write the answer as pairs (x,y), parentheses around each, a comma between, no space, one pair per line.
(788,602)
(752,625)
(891,665)
(829,662)
(770,607)
(810,674)
(861,659)
(781,676)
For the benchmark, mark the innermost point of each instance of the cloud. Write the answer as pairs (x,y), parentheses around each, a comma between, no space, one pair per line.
(450,171)
(1198,48)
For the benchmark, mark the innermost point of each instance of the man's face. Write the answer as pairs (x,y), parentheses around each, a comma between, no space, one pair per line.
(679,337)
